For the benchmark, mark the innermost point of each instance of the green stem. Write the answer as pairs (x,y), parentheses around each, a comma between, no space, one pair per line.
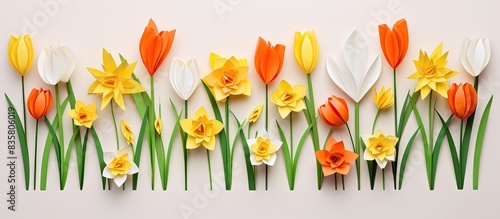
(460,185)
(343,184)
(375,121)
(350,136)
(184,150)
(61,127)
(431,141)
(209,169)
(291,135)
(24,112)
(267,123)
(36,151)
(227,166)
(335,179)
(314,129)
(383,179)
(357,141)
(248,132)
(152,135)
(395,163)
(116,128)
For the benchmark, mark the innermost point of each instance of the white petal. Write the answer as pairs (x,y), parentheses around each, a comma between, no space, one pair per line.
(69,63)
(471,54)
(263,133)
(251,141)
(192,65)
(355,53)
(107,173)
(120,179)
(186,81)
(53,67)
(368,156)
(108,157)
(344,80)
(254,161)
(391,157)
(487,52)
(463,56)
(126,150)
(370,78)
(133,169)
(381,163)
(277,142)
(174,74)
(479,56)
(271,160)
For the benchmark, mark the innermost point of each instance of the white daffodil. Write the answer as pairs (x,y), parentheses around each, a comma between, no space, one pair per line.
(355,80)
(119,165)
(56,64)
(475,55)
(184,77)
(263,148)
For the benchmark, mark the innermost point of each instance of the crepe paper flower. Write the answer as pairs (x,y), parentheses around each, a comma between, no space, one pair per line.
(201,130)
(306,50)
(263,148)
(334,112)
(334,158)
(255,114)
(21,53)
(155,46)
(83,115)
(39,102)
(432,72)
(475,54)
(383,99)
(268,60)
(289,98)
(127,132)
(380,147)
(184,77)
(462,100)
(394,43)
(158,125)
(56,63)
(228,77)
(119,165)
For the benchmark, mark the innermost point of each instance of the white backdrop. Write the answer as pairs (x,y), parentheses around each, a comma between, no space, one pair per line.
(232,27)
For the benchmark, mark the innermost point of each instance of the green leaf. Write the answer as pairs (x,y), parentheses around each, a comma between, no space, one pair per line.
(297,154)
(100,155)
(464,147)
(160,155)
(372,167)
(479,144)
(57,149)
(246,151)
(82,156)
(183,140)
(171,141)
(404,159)
(67,157)
(78,143)
(286,155)
(240,127)
(138,148)
(435,153)
(45,158)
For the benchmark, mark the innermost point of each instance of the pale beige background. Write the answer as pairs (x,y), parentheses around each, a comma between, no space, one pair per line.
(231,27)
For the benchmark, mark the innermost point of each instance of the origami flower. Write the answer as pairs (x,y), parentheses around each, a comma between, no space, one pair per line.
(255,114)
(356,81)
(462,100)
(263,148)
(56,63)
(268,60)
(83,115)
(158,125)
(127,132)
(201,130)
(306,50)
(380,147)
(289,98)
(119,165)
(229,77)
(432,72)
(39,102)
(334,112)
(184,77)
(335,159)
(475,55)
(114,81)
(394,43)
(383,99)
(21,53)
(155,46)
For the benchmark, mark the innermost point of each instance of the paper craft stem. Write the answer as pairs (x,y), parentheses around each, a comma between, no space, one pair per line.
(25,138)
(36,151)
(184,149)
(116,128)
(209,169)
(357,139)
(152,137)
(396,131)
(314,128)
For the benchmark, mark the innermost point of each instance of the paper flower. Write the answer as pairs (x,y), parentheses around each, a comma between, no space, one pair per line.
(229,77)
(432,73)
(21,53)
(114,81)
(334,112)
(462,100)
(83,115)
(39,102)
(335,159)
(306,50)
(263,148)
(380,147)
(394,43)
(268,60)
(155,46)
(201,130)
(56,63)
(255,114)
(184,77)
(119,165)
(289,98)
(383,99)
(356,80)
(475,55)
(127,132)
(158,125)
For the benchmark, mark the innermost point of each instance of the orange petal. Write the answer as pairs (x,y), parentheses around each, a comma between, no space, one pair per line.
(329,144)
(343,169)
(280,50)
(31,101)
(327,171)
(460,104)
(259,51)
(391,49)
(321,155)
(401,30)
(350,156)
(338,147)
(273,64)
(383,30)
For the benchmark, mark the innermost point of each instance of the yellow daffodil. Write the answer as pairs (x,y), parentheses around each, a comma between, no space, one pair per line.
(383,99)
(228,77)
(263,148)
(83,115)
(119,165)
(127,132)
(255,114)
(114,81)
(306,50)
(380,147)
(158,125)
(289,98)
(21,53)
(201,130)
(432,72)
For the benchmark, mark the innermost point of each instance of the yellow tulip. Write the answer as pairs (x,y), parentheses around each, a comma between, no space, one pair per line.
(127,132)
(384,99)
(158,125)
(201,130)
(306,50)
(255,114)
(21,53)
(83,115)
(289,98)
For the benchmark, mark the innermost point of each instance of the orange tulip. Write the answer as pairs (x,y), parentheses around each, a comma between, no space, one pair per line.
(335,111)
(154,46)
(335,159)
(462,100)
(394,43)
(268,60)
(39,103)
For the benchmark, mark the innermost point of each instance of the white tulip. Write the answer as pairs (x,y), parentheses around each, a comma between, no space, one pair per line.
(184,77)
(475,55)
(56,64)
(355,80)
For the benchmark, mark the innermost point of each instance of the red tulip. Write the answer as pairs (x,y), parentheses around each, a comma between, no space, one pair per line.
(39,103)
(268,60)
(462,100)
(394,43)
(334,112)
